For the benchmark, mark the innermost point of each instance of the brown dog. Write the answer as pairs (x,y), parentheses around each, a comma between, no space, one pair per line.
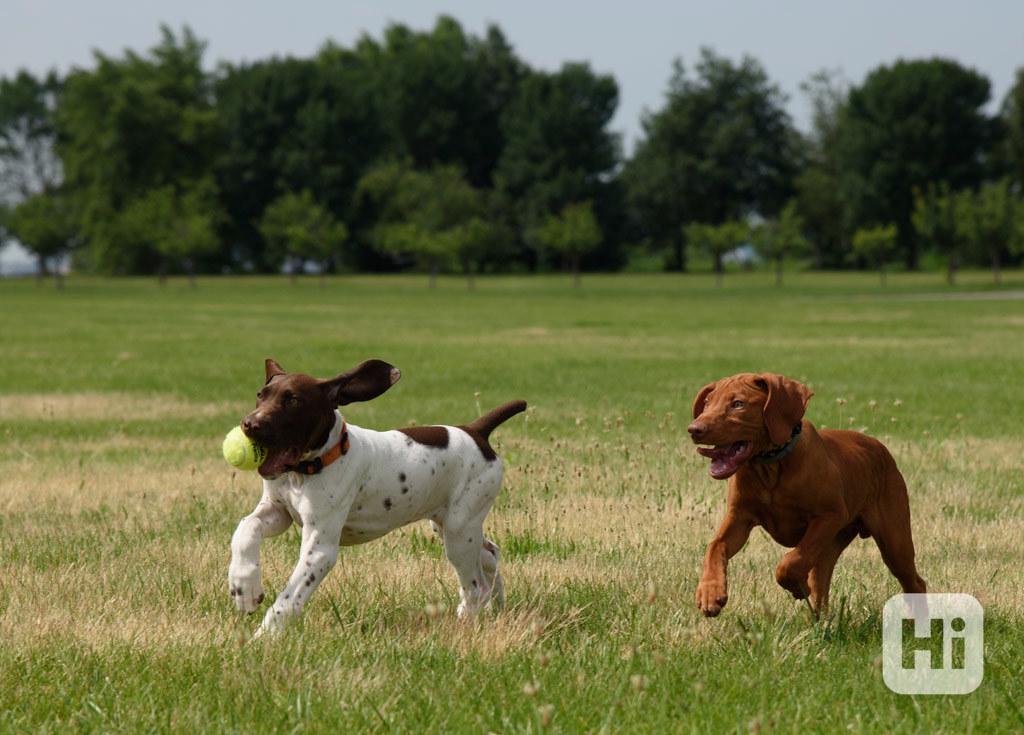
(810,490)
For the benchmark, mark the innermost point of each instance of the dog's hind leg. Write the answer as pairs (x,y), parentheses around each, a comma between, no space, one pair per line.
(820,578)
(889,525)
(462,546)
(489,559)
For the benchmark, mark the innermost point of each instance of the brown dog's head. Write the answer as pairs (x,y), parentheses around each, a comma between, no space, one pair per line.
(745,415)
(295,413)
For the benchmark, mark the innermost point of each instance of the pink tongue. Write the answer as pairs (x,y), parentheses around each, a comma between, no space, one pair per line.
(721,465)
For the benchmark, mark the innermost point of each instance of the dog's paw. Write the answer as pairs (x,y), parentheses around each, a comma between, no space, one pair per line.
(793,578)
(245,588)
(711,596)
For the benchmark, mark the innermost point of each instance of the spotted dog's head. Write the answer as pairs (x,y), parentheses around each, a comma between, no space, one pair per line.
(295,412)
(739,417)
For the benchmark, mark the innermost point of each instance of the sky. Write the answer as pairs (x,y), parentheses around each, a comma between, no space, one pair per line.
(634,40)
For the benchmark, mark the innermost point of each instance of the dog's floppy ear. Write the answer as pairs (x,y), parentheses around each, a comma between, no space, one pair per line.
(273,369)
(785,407)
(364,382)
(698,402)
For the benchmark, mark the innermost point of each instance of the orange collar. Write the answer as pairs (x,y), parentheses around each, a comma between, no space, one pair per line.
(316,465)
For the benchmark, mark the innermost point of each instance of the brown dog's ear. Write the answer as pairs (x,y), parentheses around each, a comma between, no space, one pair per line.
(785,407)
(362,383)
(273,369)
(698,402)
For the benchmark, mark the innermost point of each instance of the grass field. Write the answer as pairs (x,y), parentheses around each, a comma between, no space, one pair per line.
(116,509)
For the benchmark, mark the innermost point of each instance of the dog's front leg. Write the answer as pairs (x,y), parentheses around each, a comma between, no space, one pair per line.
(712,592)
(792,572)
(244,584)
(317,556)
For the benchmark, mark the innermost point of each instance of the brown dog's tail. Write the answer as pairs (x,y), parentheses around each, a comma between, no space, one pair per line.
(494,418)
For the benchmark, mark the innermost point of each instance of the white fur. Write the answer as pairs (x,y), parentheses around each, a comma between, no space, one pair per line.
(347,504)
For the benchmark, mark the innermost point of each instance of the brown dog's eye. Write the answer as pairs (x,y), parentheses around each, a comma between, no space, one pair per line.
(291,401)
(738,404)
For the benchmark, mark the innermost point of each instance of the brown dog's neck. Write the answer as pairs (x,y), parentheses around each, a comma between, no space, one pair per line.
(768,474)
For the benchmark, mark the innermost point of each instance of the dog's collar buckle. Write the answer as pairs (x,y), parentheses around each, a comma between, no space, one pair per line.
(316,465)
(777,454)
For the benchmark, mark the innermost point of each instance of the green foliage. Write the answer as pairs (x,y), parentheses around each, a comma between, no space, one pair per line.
(991,222)
(434,216)
(573,232)
(131,126)
(910,126)
(935,221)
(876,244)
(558,149)
(720,148)
(781,238)
(1012,118)
(818,191)
(44,224)
(716,240)
(29,163)
(296,229)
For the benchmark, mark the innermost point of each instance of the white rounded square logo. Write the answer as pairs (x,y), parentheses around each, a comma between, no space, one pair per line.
(933,644)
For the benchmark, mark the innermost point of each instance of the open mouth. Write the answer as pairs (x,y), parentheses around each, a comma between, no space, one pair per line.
(278,461)
(725,458)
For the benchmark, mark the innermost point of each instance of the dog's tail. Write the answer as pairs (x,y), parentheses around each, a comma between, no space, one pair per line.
(493,419)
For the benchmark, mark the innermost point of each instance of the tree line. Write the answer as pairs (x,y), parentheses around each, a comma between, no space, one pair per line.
(441,150)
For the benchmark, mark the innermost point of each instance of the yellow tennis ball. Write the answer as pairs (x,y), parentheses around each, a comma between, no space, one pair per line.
(242,452)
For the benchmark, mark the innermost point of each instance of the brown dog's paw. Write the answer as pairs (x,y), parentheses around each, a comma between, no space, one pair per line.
(793,578)
(711,597)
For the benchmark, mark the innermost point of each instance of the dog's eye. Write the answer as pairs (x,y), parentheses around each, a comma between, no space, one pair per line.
(291,401)
(738,404)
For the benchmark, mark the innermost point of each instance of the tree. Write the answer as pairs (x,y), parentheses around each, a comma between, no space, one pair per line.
(298,229)
(990,222)
(558,148)
(908,126)
(1013,126)
(716,240)
(782,238)
(876,244)
(722,147)
(935,220)
(128,127)
(426,215)
(818,195)
(573,233)
(45,225)
(29,164)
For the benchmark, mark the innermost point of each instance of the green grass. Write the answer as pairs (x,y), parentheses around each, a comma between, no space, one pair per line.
(116,510)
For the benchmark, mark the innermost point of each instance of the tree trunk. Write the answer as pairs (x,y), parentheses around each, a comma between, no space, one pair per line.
(162,272)
(678,262)
(996,275)
(41,270)
(190,269)
(778,271)
(951,270)
(435,266)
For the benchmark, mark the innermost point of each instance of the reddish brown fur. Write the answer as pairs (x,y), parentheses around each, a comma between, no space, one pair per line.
(833,486)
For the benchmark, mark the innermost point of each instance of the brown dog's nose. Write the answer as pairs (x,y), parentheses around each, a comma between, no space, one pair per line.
(697,429)
(248,424)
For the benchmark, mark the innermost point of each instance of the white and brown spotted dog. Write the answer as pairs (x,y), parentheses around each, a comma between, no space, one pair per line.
(345,485)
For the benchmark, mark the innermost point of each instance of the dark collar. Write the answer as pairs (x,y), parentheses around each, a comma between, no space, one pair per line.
(316,465)
(774,455)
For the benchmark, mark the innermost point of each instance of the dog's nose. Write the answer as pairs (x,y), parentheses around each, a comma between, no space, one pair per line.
(249,425)
(697,429)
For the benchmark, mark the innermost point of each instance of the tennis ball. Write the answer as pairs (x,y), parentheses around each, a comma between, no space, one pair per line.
(242,452)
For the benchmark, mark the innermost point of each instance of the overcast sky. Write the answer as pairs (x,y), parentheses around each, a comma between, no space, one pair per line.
(634,40)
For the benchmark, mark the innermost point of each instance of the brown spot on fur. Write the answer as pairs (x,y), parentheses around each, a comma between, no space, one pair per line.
(482,444)
(429,436)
